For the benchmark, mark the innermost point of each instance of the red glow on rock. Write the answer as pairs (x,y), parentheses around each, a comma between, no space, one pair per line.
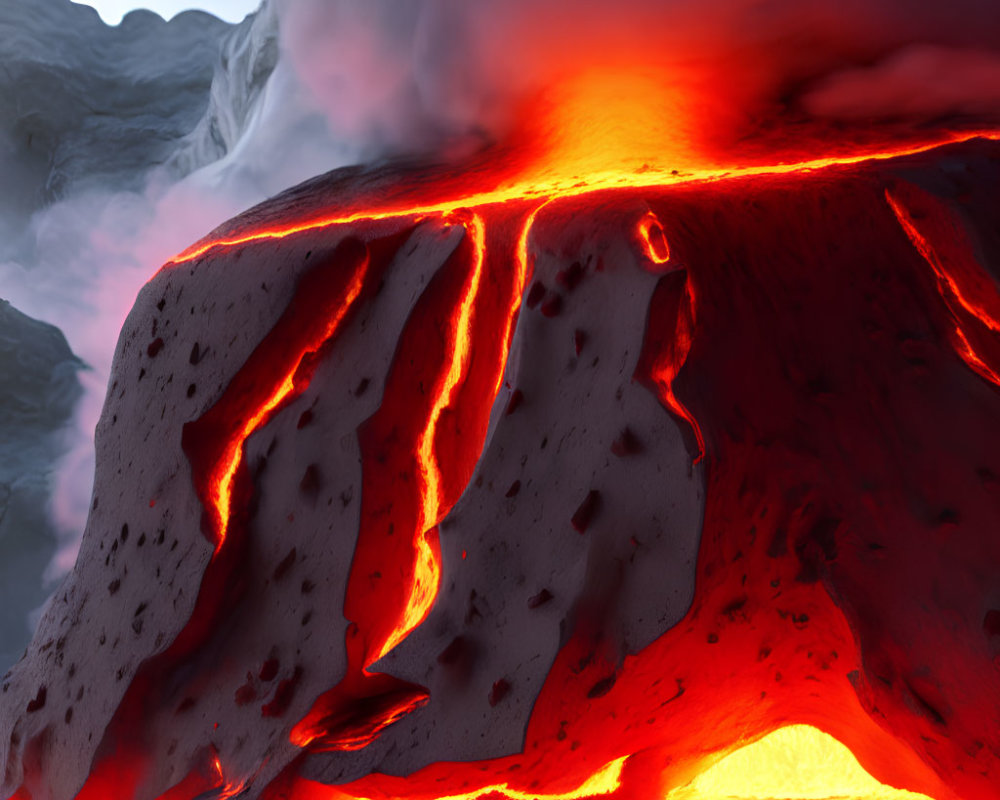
(670,338)
(969,291)
(654,240)
(804,423)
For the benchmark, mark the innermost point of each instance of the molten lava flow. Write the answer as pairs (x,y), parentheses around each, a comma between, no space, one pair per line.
(202,781)
(606,122)
(653,239)
(445,196)
(605,781)
(975,292)
(797,406)
(966,288)
(431,424)
(214,443)
(798,762)
(782,522)
(973,359)
(225,789)
(523,272)
(222,484)
(224,464)
(427,572)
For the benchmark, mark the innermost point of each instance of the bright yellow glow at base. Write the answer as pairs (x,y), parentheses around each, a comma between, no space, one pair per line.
(794,763)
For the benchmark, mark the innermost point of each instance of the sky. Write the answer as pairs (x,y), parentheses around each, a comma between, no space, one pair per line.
(112,11)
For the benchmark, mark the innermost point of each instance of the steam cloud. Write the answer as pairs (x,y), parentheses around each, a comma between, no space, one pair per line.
(362,81)
(431,74)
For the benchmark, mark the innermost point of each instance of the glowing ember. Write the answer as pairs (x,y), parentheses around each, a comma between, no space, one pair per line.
(604,781)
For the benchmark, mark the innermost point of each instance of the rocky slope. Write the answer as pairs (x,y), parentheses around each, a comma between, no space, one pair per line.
(533,488)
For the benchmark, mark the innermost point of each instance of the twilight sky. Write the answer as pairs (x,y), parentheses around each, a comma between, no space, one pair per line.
(112,11)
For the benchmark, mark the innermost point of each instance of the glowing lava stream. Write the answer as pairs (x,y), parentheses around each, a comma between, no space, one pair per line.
(226,789)
(672,358)
(931,257)
(948,284)
(221,482)
(605,781)
(972,358)
(427,571)
(576,185)
(517,293)
(654,240)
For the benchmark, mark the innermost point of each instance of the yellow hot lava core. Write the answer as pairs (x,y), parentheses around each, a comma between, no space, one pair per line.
(797,762)
(605,122)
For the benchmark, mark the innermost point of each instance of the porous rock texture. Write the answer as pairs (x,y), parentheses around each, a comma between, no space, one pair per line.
(790,416)
(516,569)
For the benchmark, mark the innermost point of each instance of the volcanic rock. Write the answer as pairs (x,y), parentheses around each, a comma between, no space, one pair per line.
(759,490)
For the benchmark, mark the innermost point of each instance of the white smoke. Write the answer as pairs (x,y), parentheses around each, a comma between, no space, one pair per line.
(84,258)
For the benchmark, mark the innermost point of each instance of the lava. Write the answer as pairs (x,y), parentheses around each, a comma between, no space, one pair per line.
(225,466)
(670,337)
(604,781)
(781,432)
(782,491)
(434,412)
(215,445)
(451,193)
(653,239)
(966,288)
(797,762)
(427,573)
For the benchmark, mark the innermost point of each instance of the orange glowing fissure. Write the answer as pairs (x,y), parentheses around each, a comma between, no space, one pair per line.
(573,185)
(653,239)
(931,257)
(226,789)
(221,482)
(949,285)
(427,571)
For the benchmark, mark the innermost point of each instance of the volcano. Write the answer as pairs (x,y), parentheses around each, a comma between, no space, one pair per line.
(417,482)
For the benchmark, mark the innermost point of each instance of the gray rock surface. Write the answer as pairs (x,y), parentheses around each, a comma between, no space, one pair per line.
(144,558)
(88,113)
